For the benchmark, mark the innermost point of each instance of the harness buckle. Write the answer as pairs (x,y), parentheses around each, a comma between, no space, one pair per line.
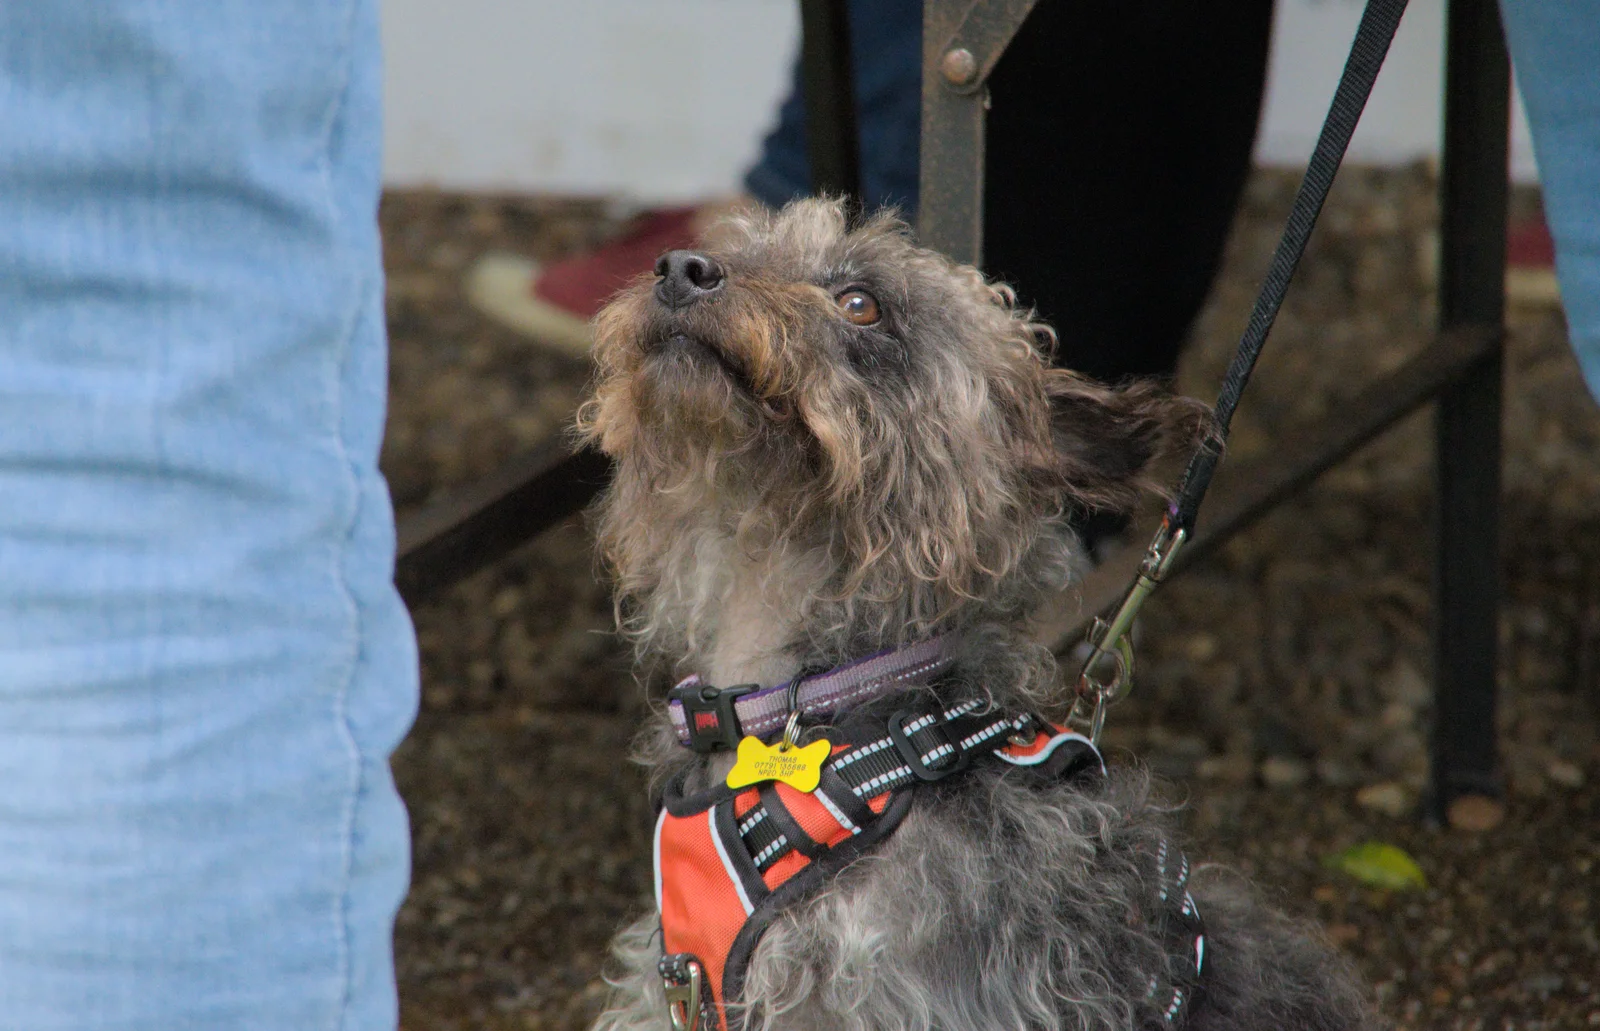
(709,714)
(913,756)
(682,977)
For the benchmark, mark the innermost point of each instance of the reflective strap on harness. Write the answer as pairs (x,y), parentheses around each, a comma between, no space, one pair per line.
(1177,996)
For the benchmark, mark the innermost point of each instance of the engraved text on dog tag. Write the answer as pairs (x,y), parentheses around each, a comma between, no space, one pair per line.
(799,766)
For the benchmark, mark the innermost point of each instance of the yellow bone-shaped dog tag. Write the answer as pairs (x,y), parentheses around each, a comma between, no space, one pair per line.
(798,766)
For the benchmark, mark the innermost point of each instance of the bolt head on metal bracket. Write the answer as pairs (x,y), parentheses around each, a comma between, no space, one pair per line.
(958,66)
(981,32)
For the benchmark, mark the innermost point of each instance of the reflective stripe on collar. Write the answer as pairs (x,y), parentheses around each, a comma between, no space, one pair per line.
(697,709)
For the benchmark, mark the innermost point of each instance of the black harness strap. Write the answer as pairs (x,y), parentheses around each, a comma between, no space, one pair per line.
(1379,22)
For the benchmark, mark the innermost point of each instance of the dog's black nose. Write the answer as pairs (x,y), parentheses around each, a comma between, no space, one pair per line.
(686,277)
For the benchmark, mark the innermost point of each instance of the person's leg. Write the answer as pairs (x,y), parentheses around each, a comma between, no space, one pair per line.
(203,663)
(886,49)
(1555,45)
(1119,139)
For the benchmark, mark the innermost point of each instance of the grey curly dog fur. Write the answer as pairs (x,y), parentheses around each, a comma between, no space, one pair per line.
(831,441)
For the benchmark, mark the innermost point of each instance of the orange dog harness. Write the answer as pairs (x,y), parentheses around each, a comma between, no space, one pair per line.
(728,861)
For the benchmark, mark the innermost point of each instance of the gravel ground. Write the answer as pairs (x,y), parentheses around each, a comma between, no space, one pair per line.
(1284,693)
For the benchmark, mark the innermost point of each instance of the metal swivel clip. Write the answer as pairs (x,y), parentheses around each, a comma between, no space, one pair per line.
(683,979)
(1110,643)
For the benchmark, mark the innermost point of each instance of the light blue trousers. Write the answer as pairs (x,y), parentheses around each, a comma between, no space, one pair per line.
(1555,46)
(203,662)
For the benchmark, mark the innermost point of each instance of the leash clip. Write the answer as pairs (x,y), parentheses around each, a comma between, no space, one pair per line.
(682,977)
(1112,642)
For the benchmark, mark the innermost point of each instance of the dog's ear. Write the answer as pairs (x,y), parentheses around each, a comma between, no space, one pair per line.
(1106,441)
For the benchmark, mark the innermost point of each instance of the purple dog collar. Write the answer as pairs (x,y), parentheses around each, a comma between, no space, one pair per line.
(707,718)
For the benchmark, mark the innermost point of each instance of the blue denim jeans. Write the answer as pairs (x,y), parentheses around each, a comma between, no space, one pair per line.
(886,47)
(204,665)
(1556,48)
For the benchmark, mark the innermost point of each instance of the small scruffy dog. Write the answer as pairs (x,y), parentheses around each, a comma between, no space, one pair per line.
(831,443)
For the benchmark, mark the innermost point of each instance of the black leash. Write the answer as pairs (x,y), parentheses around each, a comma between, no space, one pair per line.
(1110,639)
(1378,25)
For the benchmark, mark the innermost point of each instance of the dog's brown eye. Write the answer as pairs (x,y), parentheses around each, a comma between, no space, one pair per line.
(859,307)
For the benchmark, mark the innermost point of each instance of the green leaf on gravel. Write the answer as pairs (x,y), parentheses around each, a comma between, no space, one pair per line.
(1378,865)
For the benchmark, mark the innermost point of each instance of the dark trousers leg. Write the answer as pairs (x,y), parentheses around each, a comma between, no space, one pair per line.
(1118,142)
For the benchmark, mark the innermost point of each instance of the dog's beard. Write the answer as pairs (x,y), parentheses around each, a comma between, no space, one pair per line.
(689,391)
(687,358)
(733,395)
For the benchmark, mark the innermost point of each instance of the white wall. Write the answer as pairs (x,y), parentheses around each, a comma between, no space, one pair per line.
(656,99)
(668,99)
(1401,122)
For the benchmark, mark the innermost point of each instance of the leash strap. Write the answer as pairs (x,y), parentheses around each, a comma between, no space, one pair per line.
(1379,23)
(1109,646)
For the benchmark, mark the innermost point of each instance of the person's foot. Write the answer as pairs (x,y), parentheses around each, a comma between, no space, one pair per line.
(553,303)
(1531,263)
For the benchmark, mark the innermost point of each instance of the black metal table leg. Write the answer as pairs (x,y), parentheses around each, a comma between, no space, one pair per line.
(1472,201)
(833,144)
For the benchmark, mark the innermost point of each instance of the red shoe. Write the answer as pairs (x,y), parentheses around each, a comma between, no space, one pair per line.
(1531,263)
(554,304)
